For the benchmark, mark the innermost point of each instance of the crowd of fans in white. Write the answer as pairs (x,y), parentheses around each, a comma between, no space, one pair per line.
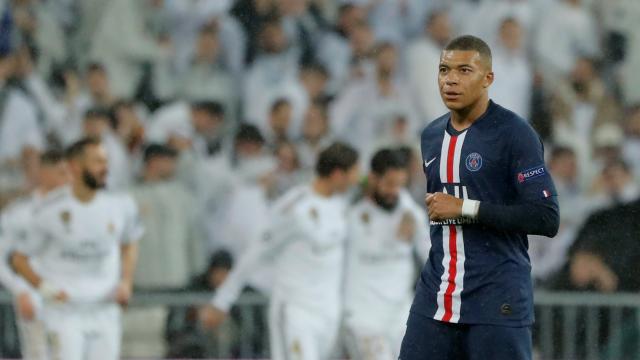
(241,95)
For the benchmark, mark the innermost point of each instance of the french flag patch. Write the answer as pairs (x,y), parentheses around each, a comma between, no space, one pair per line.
(546,193)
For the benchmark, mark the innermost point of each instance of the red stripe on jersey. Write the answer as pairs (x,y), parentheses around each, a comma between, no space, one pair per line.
(453,250)
(450,158)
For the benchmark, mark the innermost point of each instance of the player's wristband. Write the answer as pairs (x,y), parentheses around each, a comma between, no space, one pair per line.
(48,291)
(470,208)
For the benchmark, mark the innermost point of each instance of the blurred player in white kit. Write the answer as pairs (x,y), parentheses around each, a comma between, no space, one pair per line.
(306,239)
(15,222)
(386,226)
(80,255)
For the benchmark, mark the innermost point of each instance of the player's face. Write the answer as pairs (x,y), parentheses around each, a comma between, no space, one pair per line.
(386,188)
(94,167)
(463,78)
(343,180)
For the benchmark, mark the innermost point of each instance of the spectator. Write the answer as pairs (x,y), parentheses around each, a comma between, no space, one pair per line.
(98,123)
(423,58)
(279,122)
(615,185)
(631,144)
(511,66)
(566,31)
(167,208)
(316,134)
(183,126)
(21,137)
(288,173)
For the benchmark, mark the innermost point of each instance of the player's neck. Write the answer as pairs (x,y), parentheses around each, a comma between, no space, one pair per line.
(463,118)
(322,187)
(82,192)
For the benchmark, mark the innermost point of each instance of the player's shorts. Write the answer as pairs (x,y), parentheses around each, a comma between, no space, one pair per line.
(299,333)
(83,332)
(429,339)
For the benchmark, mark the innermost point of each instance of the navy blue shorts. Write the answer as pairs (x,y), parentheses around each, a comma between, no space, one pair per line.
(429,339)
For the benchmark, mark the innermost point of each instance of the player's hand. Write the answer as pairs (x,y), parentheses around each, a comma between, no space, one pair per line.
(443,206)
(52,293)
(211,317)
(26,308)
(123,293)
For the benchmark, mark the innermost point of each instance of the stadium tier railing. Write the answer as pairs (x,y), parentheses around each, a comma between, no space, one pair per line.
(569,325)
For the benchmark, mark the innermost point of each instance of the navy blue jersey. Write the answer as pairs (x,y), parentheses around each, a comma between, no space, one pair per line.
(477,274)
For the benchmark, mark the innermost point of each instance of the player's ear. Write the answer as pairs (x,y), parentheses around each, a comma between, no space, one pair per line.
(488,79)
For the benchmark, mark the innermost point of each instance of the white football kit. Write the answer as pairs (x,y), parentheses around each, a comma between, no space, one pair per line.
(14,227)
(381,275)
(75,247)
(306,240)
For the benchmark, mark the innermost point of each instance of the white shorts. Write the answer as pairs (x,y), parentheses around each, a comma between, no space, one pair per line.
(32,334)
(300,333)
(83,332)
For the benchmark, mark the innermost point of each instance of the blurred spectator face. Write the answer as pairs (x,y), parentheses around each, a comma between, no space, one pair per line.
(314,81)
(248,149)
(273,38)
(161,167)
(7,66)
(91,167)
(583,73)
(287,158)
(439,27)
(564,166)
(350,16)
(129,125)
(205,123)
(616,176)
(386,187)
(361,39)
(511,34)
(217,276)
(293,8)
(280,118)
(386,59)
(208,45)
(315,125)
(96,126)
(98,81)
(51,176)
(633,123)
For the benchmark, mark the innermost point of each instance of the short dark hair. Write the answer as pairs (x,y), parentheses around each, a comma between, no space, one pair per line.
(315,67)
(561,150)
(52,157)
(98,112)
(337,156)
(249,133)
(470,43)
(221,259)
(278,103)
(96,66)
(78,148)
(385,159)
(212,108)
(158,150)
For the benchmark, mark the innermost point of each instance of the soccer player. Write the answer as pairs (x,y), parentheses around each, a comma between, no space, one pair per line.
(386,228)
(306,238)
(487,188)
(14,226)
(80,255)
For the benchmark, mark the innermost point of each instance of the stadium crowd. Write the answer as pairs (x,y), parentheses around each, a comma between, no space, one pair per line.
(211,109)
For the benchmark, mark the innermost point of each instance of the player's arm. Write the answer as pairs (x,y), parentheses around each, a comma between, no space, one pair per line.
(535,211)
(129,252)
(283,230)
(22,266)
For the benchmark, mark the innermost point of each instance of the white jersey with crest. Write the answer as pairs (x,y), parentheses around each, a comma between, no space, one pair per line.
(381,270)
(305,239)
(76,245)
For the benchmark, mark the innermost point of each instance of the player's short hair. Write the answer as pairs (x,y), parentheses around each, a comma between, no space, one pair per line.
(249,133)
(337,156)
(78,148)
(212,108)
(52,157)
(385,159)
(470,43)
